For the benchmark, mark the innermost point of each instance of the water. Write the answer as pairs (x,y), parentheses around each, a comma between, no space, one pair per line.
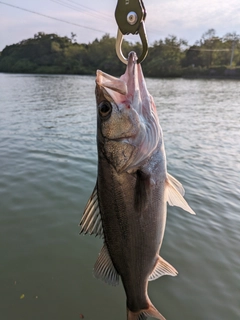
(48,170)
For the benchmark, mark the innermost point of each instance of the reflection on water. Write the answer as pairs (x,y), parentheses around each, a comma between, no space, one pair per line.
(48,170)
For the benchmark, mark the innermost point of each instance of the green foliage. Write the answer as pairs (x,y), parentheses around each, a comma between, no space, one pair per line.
(165,58)
(211,56)
(214,51)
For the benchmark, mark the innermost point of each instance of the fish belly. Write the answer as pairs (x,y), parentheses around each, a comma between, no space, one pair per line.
(133,235)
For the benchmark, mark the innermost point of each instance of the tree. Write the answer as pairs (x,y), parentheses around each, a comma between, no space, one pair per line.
(192,57)
(233,40)
(73,37)
(50,53)
(207,45)
(165,58)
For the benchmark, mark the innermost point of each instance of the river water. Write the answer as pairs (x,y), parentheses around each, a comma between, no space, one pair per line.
(48,166)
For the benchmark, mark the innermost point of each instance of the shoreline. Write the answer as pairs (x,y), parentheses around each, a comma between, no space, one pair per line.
(190,77)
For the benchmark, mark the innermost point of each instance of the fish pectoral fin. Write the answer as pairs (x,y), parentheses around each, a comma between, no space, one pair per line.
(176,184)
(104,268)
(162,268)
(174,194)
(91,220)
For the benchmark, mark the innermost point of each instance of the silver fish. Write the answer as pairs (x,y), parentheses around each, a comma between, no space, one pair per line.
(128,205)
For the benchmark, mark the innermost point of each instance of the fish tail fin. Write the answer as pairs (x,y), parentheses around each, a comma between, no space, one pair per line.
(143,314)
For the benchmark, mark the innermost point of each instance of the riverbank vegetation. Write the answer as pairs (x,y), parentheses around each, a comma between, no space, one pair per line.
(211,56)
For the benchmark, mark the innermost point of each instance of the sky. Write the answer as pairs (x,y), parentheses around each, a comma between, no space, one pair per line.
(186,19)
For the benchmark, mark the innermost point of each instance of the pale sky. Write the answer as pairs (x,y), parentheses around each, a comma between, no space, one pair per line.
(187,19)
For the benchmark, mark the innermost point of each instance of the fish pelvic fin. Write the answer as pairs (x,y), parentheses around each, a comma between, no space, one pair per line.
(151,312)
(162,268)
(174,194)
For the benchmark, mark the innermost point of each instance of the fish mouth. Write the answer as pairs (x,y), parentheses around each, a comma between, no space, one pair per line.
(125,88)
(136,85)
(132,61)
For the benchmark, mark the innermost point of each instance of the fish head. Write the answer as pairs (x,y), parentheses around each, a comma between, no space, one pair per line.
(128,125)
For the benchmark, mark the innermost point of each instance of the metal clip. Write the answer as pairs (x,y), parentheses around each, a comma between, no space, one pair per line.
(130,16)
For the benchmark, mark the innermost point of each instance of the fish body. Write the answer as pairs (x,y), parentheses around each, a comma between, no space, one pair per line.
(128,206)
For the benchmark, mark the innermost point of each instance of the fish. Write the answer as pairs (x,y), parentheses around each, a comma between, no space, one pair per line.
(128,206)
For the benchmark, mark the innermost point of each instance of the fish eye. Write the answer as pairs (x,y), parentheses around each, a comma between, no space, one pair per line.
(105,109)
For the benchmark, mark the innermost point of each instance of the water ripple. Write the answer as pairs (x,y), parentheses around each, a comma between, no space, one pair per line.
(48,170)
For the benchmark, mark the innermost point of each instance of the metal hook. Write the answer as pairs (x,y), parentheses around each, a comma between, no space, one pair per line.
(142,34)
(130,17)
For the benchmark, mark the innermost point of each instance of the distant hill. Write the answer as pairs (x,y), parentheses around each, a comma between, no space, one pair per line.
(171,57)
(49,53)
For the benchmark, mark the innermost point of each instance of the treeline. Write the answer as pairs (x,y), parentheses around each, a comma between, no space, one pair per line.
(171,57)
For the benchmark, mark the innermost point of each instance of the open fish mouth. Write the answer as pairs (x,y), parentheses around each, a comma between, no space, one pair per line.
(114,85)
(129,88)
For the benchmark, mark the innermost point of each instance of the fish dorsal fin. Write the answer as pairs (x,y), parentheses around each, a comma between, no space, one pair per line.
(91,220)
(104,268)
(162,268)
(174,194)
